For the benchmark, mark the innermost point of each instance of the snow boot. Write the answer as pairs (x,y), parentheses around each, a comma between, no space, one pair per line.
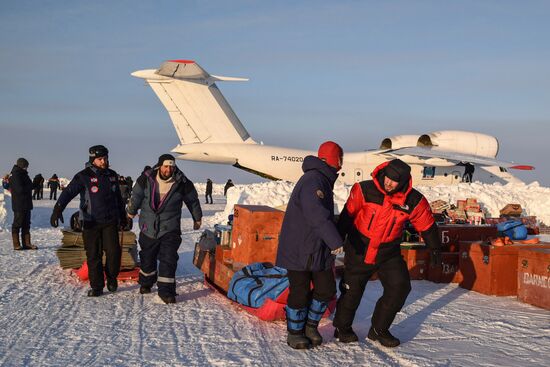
(345,335)
(16,242)
(144,290)
(168,299)
(27,242)
(314,315)
(95,292)
(112,285)
(384,337)
(295,321)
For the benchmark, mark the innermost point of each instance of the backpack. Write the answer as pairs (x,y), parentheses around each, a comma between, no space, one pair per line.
(255,283)
(514,229)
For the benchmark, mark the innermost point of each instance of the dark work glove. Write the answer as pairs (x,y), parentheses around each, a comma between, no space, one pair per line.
(57,216)
(435,257)
(197,225)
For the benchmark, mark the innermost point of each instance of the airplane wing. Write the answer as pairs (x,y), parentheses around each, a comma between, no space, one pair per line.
(439,156)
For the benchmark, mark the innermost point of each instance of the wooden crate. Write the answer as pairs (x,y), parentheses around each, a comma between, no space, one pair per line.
(450,235)
(216,271)
(447,272)
(255,235)
(417,259)
(533,278)
(491,269)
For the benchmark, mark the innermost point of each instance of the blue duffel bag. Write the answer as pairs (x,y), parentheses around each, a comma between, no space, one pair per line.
(256,282)
(514,229)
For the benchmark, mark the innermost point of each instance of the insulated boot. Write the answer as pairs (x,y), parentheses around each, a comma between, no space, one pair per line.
(168,299)
(95,292)
(16,242)
(144,290)
(295,321)
(112,285)
(346,335)
(27,242)
(384,337)
(314,315)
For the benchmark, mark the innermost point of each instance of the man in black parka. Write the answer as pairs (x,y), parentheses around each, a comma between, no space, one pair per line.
(208,191)
(307,243)
(102,212)
(21,203)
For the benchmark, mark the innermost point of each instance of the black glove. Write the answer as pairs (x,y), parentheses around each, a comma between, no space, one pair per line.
(57,216)
(197,224)
(435,257)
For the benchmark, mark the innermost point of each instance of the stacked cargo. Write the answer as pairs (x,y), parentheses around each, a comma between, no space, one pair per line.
(72,254)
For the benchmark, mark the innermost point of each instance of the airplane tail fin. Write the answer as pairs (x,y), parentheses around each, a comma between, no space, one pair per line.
(197,108)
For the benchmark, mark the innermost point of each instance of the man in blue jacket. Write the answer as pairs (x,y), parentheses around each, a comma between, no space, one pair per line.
(307,244)
(102,212)
(160,193)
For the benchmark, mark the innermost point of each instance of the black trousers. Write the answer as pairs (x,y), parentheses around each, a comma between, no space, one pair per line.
(21,222)
(99,238)
(300,293)
(393,275)
(53,193)
(208,196)
(165,251)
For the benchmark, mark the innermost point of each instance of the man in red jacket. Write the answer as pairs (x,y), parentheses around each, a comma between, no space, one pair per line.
(373,220)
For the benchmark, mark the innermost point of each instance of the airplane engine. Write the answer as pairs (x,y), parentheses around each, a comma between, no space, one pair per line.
(461,142)
(399,141)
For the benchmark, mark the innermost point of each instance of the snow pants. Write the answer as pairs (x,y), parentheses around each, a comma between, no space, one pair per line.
(393,275)
(300,293)
(99,238)
(53,194)
(21,222)
(165,251)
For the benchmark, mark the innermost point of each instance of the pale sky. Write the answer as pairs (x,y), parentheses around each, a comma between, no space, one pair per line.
(349,71)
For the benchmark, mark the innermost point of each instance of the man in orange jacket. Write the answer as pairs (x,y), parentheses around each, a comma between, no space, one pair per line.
(373,220)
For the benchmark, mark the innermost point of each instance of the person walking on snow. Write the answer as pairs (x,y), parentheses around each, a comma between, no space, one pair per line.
(159,194)
(102,213)
(53,185)
(373,220)
(21,188)
(208,192)
(308,242)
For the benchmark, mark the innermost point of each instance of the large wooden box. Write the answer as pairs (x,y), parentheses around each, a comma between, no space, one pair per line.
(491,269)
(450,235)
(533,277)
(447,272)
(417,259)
(255,235)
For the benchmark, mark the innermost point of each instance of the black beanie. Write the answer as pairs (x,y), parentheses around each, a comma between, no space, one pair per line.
(398,171)
(97,151)
(22,163)
(166,157)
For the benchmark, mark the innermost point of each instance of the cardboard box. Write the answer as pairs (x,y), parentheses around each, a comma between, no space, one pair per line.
(533,278)
(255,235)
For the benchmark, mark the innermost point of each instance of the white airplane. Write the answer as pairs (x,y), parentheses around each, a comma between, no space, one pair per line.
(210,131)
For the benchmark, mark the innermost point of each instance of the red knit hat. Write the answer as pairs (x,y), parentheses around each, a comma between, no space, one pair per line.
(332,154)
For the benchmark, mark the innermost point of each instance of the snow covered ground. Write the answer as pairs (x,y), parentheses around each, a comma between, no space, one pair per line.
(47,320)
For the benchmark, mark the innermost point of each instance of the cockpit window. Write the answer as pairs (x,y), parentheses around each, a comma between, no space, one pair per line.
(502,169)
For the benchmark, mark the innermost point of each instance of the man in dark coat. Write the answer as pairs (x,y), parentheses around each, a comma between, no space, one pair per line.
(21,204)
(373,221)
(208,192)
(159,194)
(102,213)
(36,183)
(53,185)
(228,184)
(307,244)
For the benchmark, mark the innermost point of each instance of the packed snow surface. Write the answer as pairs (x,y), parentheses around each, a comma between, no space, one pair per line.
(47,320)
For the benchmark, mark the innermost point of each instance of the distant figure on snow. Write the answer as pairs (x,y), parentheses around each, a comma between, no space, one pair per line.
(37,184)
(53,185)
(228,184)
(208,192)
(21,204)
